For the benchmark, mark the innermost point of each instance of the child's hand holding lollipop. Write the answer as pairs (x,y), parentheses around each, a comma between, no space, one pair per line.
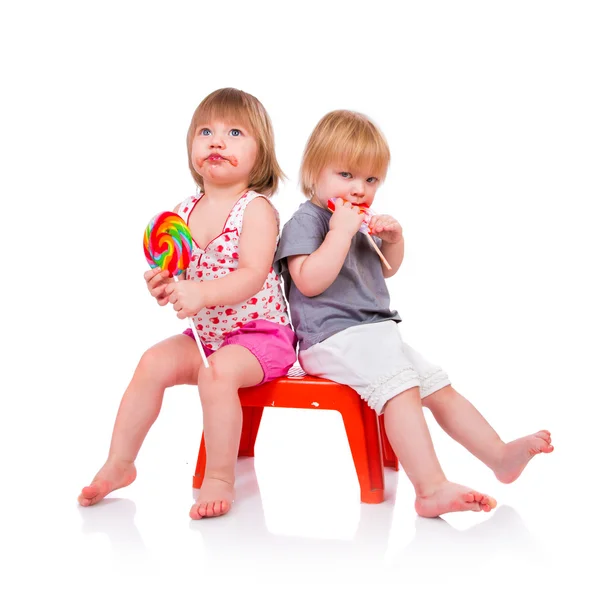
(386,228)
(186,298)
(157,280)
(368,217)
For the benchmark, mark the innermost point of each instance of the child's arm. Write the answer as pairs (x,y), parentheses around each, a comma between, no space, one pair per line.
(314,273)
(257,248)
(258,242)
(394,254)
(390,232)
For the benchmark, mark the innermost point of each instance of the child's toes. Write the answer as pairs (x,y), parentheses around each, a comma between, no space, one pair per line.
(491,502)
(474,506)
(198,511)
(213,509)
(544,447)
(209,509)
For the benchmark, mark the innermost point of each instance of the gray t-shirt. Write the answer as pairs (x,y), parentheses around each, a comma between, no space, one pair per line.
(358,295)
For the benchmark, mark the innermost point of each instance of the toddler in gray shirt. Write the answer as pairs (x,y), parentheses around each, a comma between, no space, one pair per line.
(340,309)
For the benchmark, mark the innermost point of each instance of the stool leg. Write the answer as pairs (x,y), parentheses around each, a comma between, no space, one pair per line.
(250,424)
(389,456)
(360,422)
(200,466)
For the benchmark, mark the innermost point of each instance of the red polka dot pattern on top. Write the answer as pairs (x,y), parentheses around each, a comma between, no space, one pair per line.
(219,259)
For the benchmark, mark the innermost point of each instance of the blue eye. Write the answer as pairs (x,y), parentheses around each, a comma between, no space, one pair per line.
(345,174)
(205,131)
(372,180)
(235,133)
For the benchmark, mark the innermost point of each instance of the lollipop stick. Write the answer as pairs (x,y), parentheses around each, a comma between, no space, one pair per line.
(198,342)
(381,256)
(200,346)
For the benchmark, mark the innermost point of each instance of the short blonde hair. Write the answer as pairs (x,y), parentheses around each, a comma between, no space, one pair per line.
(346,137)
(240,107)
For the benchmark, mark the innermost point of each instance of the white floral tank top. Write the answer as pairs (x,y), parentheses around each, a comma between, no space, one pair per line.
(218,259)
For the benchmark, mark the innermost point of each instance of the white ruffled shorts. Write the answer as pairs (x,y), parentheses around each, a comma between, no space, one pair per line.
(374,361)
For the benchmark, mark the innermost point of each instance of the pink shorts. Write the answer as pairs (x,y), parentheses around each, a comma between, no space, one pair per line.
(273,345)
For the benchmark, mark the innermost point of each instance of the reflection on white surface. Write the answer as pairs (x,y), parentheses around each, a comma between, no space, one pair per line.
(297,530)
(240,548)
(114,517)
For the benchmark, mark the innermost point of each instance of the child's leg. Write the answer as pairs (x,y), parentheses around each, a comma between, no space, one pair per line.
(231,368)
(373,360)
(463,422)
(409,436)
(171,362)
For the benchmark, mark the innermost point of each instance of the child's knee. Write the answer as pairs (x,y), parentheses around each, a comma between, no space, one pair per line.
(214,378)
(155,366)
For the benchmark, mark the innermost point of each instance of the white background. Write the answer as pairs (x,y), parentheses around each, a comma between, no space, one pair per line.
(491,113)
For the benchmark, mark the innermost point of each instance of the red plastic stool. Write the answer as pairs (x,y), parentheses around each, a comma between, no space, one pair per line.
(370,447)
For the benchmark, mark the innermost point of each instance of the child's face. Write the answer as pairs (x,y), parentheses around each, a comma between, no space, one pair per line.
(224,153)
(337,181)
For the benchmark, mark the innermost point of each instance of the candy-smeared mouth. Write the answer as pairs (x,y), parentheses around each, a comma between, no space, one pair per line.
(217,158)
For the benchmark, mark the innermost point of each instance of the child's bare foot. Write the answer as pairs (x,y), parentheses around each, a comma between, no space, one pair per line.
(215,499)
(451,497)
(519,452)
(112,476)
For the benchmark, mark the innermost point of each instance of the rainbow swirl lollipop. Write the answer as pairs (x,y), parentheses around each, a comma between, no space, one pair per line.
(168,243)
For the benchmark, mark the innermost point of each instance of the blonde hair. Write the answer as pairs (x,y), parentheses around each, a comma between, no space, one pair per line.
(346,137)
(229,104)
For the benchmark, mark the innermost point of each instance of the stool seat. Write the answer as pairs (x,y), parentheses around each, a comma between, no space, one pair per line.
(369,444)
